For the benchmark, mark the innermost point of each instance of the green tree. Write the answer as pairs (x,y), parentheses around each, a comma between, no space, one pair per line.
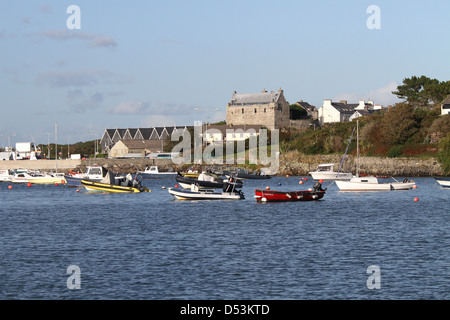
(423,91)
(399,124)
(444,154)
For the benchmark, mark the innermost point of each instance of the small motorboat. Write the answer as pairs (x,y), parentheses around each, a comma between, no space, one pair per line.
(325,172)
(316,193)
(153,172)
(206,181)
(93,173)
(113,184)
(443,182)
(244,174)
(371,183)
(195,193)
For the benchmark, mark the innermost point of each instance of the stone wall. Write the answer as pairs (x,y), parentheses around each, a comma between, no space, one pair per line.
(295,164)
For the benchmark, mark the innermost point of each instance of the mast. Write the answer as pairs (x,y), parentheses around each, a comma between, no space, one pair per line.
(56,147)
(357,148)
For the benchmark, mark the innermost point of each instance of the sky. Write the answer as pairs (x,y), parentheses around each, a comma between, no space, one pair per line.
(71,74)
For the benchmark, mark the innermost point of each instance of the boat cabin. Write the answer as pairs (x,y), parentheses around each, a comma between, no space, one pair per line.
(326,167)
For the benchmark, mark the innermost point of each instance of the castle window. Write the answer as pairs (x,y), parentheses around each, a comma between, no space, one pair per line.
(242,110)
(255,110)
(264,110)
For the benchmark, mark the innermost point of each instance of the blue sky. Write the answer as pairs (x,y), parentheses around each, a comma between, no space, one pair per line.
(143,63)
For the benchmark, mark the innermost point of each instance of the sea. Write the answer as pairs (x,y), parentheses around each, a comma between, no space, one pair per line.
(63,243)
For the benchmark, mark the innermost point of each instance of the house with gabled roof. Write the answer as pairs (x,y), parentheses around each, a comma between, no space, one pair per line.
(445,106)
(126,147)
(269,109)
(341,111)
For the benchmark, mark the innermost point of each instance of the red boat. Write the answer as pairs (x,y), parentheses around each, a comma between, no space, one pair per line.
(273,196)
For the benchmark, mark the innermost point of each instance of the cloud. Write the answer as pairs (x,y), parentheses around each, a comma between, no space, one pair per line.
(147,107)
(76,78)
(81,102)
(158,120)
(382,96)
(93,40)
(131,107)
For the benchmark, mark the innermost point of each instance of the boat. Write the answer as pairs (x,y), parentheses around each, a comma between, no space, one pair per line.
(189,173)
(443,182)
(93,173)
(244,174)
(326,172)
(113,184)
(5,175)
(195,193)
(37,177)
(205,180)
(315,193)
(371,183)
(153,172)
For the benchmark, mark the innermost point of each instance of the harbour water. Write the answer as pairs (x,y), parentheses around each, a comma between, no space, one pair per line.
(150,246)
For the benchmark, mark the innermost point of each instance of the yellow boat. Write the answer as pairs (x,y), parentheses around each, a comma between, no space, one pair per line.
(115,184)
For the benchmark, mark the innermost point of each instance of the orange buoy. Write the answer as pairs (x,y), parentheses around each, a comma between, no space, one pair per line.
(287,176)
(78,190)
(300,182)
(176,186)
(321,181)
(267,188)
(56,183)
(10,187)
(306,179)
(28,184)
(414,187)
(416,199)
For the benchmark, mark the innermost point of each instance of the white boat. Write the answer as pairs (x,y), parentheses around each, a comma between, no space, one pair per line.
(93,173)
(5,175)
(153,172)
(194,193)
(443,182)
(37,178)
(371,183)
(326,172)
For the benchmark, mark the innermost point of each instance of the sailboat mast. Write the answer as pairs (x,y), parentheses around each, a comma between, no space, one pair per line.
(357,148)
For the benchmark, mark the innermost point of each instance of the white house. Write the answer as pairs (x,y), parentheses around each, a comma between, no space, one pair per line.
(331,112)
(445,106)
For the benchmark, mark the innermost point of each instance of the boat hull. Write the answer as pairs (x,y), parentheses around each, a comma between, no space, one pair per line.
(186,183)
(445,183)
(361,186)
(96,186)
(331,175)
(205,195)
(282,196)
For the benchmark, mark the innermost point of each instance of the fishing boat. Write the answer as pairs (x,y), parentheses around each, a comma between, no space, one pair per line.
(326,172)
(443,182)
(5,175)
(244,174)
(315,193)
(195,193)
(37,178)
(93,173)
(205,181)
(153,172)
(371,183)
(113,184)
(189,173)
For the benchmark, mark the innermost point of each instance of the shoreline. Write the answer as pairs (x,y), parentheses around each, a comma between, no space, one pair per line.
(294,164)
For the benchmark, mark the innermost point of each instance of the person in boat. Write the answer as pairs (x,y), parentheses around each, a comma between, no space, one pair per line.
(405,180)
(318,187)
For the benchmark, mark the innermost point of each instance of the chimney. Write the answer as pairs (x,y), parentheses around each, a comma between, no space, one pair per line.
(343,101)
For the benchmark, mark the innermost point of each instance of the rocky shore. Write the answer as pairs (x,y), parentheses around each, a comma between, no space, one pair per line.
(290,164)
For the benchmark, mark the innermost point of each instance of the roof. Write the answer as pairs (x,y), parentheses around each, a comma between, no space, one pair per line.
(142,144)
(344,107)
(447,100)
(223,127)
(264,97)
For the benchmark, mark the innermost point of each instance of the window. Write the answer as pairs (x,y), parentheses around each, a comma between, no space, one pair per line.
(255,110)
(264,110)
(242,110)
